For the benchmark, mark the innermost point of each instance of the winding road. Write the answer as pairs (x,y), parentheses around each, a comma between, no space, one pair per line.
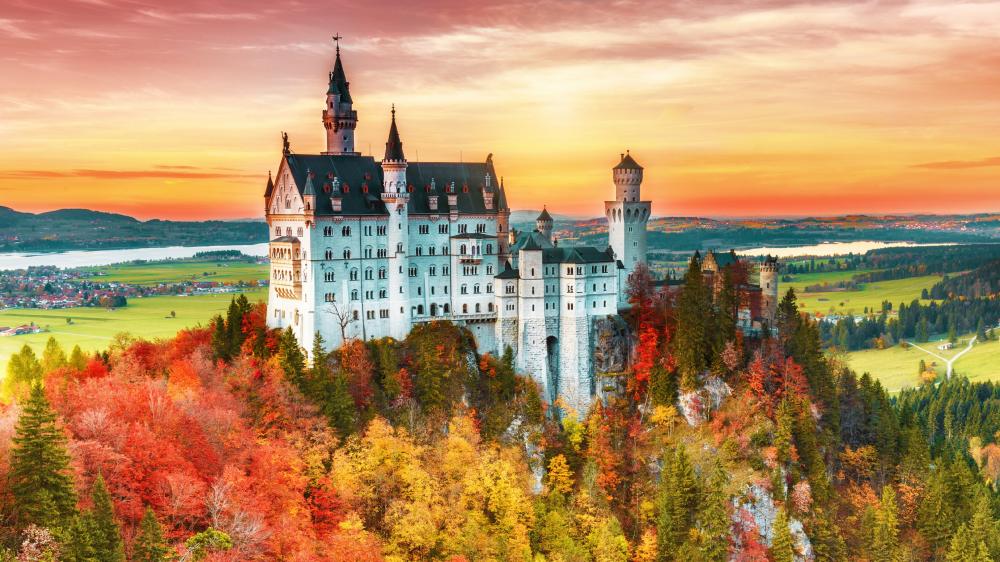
(948,362)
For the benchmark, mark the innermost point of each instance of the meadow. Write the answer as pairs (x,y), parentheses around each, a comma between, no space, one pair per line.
(94,328)
(180,271)
(869,296)
(897,367)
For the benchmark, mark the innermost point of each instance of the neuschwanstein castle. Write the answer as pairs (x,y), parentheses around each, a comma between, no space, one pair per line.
(366,249)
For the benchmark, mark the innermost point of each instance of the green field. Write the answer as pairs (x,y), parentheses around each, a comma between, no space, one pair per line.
(176,272)
(854,302)
(93,328)
(897,367)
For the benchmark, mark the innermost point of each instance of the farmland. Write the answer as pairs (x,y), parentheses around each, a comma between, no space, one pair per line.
(869,295)
(897,367)
(180,271)
(93,328)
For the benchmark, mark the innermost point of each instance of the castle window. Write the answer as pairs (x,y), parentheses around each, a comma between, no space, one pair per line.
(569,288)
(420,309)
(328,276)
(330,297)
(356,316)
(328,254)
(444,249)
(382,252)
(277,231)
(419,250)
(369,295)
(369,275)
(465,289)
(431,250)
(442,229)
(432,270)
(489,270)
(489,307)
(288,231)
(424,229)
(475,289)
(445,270)
(354,275)
(399,248)
(368,231)
(489,249)
(288,203)
(420,291)
(462,249)
(463,228)
(354,294)
(478,307)
(465,309)
(446,308)
(380,230)
(345,231)
(382,273)
(368,252)
(413,271)
(604,269)
(347,253)
(489,287)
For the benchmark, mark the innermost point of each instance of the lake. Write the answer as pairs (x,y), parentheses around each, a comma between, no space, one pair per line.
(86,258)
(828,249)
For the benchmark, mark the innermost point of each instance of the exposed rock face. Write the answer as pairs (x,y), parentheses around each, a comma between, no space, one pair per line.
(758,503)
(611,344)
(697,405)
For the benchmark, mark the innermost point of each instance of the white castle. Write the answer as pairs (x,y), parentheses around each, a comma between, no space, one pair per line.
(367,249)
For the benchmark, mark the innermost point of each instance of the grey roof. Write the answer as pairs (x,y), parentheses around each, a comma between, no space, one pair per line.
(577,254)
(338,81)
(534,239)
(508,272)
(356,172)
(725,258)
(544,215)
(474,236)
(394,146)
(628,163)
(285,239)
(309,189)
(270,185)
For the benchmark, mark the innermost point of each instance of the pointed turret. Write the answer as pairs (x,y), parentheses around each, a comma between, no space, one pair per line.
(270,185)
(393,146)
(339,117)
(543,224)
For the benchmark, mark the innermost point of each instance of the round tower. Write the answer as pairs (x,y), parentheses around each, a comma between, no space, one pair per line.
(396,197)
(769,288)
(543,224)
(627,176)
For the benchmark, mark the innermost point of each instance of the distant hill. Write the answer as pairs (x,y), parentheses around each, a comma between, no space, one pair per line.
(84,229)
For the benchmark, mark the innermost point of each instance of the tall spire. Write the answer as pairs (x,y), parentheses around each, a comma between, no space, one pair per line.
(394,146)
(338,78)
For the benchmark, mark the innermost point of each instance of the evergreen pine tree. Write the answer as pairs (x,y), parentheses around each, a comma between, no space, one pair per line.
(692,340)
(922,331)
(828,545)
(714,521)
(107,539)
(676,503)
(966,547)
(783,546)
(150,546)
(41,482)
(885,533)
(291,358)
(78,543)
(220,339)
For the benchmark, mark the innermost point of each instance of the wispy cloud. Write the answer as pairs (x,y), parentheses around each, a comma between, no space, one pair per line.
(14,28)
(161,172)
(960,164)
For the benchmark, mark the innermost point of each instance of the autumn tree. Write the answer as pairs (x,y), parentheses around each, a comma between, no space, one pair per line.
(105,534)
(40,479)
(53,357)
(23,370)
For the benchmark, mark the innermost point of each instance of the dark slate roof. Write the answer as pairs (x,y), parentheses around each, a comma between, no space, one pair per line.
(285,239)
(536,240)
(544,216)
(577,254)
(354,172)
(474,236)
(725,258)
(628,163)
(394,146)
(338,81)
(508,272)
(270,185)
(309,189)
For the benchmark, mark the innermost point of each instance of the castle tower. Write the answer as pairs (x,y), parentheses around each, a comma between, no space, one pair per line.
(627,216)
(533,347)
(396,196)
(769,288)
(505,235)
(543,224)
(339,117)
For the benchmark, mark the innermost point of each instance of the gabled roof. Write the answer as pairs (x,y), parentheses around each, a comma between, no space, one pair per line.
(725,258)
(530,245)
(577,254)
(353,173)
(338,81)
(285,239)
(628,163)
(535,239)
(508,272)
(394,146)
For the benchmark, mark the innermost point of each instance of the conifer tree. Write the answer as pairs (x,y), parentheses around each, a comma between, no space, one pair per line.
(40,479)
(828,545)
(291,358)
(782,546)
(676,503)
(78,545)
(885,533)
(692,341)
(714,521)
(331,389)
(106,535)
(220,339)
(150,546)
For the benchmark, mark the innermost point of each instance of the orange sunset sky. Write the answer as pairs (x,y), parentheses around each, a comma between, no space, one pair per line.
(173,109)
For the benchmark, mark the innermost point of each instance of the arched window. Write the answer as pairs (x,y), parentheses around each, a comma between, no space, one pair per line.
(461,249)
(369,274)
(347,253)
(446,308)
(478,307)
(489,307)
(465,309)
(382,273)
(489,249)
(328,254)
(354,294)
(346,231)
(354,274)
(420,309)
